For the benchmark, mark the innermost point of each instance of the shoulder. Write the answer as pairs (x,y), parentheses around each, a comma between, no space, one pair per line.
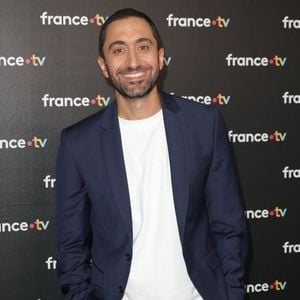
(193,111)
(86,126)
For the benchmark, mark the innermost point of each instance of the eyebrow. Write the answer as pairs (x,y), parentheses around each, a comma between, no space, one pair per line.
(120,42)
(140,40)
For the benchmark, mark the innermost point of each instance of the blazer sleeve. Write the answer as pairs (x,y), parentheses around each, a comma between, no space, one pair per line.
(226,212)
(72,224)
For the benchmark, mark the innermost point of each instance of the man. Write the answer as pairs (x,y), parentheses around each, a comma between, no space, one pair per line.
(147,202)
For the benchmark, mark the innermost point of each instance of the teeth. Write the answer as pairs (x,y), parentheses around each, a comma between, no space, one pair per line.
(133,75)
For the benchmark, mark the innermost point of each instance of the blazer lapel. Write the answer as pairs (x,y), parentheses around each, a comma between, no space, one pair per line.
(178,155)
(114,160)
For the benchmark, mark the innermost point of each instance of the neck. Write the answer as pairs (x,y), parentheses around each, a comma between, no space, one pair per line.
(140,108)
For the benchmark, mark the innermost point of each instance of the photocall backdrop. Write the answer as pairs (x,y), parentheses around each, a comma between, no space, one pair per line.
(241,56)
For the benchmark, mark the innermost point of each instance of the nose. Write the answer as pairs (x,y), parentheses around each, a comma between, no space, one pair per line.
(133,60)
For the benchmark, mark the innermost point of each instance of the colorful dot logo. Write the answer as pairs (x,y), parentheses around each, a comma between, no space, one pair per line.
(98,20)
(248,61)
(59,20)
(258,137)
(220,99)
(277,212)
(220,22)
(19,61)
(276,286)
(39,225)
(34,143)
(74,102)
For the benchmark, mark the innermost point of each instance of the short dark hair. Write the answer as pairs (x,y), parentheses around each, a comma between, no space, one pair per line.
(123,14)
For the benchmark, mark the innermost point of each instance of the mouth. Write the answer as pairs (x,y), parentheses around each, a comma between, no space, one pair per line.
(135,75)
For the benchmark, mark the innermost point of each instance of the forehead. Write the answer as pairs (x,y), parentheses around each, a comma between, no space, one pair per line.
(127,30)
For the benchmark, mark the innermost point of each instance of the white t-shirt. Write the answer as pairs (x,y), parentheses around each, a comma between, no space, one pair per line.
(158,270)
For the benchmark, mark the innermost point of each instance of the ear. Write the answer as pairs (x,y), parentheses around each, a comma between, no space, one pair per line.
(161,56)
(103,67)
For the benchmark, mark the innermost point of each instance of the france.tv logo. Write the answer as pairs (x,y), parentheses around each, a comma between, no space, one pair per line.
(290,99)
(33,143)
(290,248)
(290,173)
(276,212)
(64,20)
(263,287)
(219,22)
(219,99)
(36,225)
(290,23)
(19,61)
(248,61)
(99,100)
(257,137)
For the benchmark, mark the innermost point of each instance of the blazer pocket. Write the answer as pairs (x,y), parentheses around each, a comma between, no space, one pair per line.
(212,259)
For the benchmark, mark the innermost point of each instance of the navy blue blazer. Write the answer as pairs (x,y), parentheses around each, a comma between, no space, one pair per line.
(94,229)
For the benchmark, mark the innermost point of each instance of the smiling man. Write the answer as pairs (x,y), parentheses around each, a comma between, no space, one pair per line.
(131,57)
(148,206)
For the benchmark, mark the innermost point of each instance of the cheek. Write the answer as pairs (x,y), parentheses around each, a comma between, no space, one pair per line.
(114,66)
(155,61)
(110,71)
(152,61)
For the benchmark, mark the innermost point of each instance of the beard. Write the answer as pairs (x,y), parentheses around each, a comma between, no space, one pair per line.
(134,89)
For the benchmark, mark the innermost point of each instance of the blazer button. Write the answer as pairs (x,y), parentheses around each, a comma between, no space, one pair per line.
(128,256)
(121,289)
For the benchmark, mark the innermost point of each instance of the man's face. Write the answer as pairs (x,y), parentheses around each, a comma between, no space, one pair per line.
(131,59)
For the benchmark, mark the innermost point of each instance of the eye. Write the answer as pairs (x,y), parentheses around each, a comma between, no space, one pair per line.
(117,51)
(144,48)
